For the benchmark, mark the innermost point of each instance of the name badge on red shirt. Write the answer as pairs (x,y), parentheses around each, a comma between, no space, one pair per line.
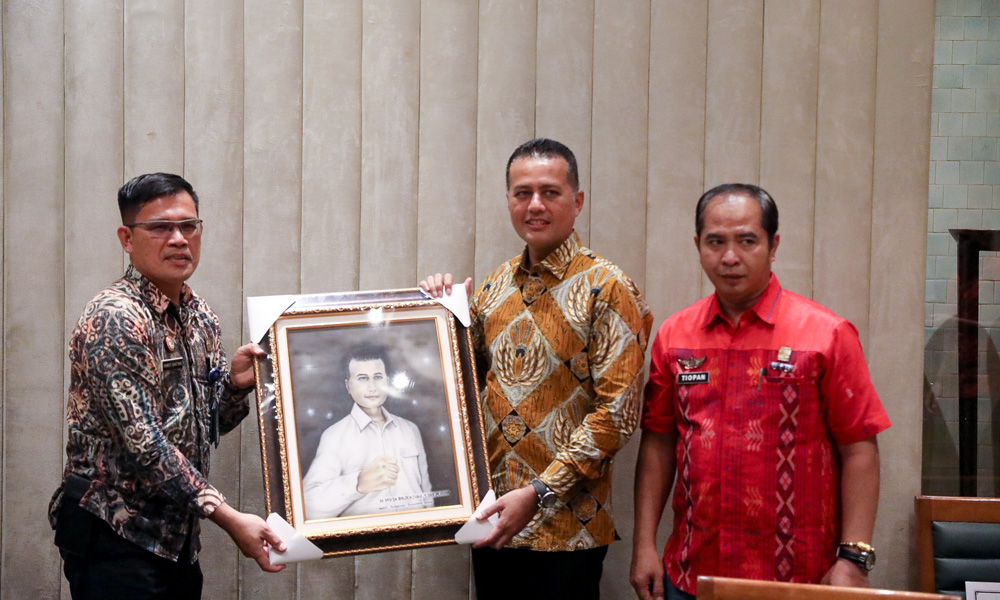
(690,378)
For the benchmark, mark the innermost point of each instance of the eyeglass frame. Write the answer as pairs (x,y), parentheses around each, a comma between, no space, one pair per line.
(174,226)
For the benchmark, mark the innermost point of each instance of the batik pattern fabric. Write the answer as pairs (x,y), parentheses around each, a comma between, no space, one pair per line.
(145,377)
(563,345)
(758,410)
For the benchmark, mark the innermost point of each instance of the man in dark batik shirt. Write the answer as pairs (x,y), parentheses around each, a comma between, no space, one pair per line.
(150,391)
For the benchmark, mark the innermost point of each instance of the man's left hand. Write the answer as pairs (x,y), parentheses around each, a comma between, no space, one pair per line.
(241,366)
(515,509)
(251,535)
(846,574)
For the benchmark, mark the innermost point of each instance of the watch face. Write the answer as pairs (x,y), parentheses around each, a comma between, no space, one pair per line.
(869,561)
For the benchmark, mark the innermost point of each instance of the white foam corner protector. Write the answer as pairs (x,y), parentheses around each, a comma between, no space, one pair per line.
(297,547)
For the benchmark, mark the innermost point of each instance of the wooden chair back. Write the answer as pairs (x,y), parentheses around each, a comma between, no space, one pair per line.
(946,508)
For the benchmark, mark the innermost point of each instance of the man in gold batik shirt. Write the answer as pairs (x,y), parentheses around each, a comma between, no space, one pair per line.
(561,333)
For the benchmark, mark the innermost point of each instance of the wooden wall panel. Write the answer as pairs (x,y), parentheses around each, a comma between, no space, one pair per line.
(331,145)
(788,131)
(272,212)
(446,206)
(564,86)
(154,86)
(213,164)
(620,122)
(33,345)
(844,150)
(899,225)
(506,119)
(732,108)
(677,98)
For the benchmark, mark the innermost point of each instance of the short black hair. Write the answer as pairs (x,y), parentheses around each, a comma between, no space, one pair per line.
(768,208)
(362,352)
(143,189)
(546,148)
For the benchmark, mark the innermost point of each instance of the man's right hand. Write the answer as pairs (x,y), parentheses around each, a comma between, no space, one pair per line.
(646,574)
(378,475)
(438,285)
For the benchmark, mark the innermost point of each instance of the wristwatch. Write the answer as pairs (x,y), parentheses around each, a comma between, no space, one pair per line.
(546,497)
(859,553)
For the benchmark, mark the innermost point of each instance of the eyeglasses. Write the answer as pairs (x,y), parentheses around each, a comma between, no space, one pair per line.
(165,229)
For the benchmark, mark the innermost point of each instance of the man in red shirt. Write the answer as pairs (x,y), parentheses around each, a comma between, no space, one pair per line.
(760,401)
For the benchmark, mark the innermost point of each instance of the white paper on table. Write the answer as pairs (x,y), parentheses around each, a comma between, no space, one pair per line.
(982,590)
(457,302)
(263,311)
(298,548)
(474,529)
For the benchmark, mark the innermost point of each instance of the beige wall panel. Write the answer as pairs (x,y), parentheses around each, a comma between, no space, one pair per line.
(564,76)
(390,95)
(899,223)
(272,214)
(94,154)
(618,197)
(732,112)
(3,273)
(331,146)
(94,150)
(844,139)
(677,58)
(621,101)
(33,300)
(326,579)
(788,131)
(331,193)
(154,86)
(262,106)
(213,164)
(506,119)
(446,205)
(677,96)
(446,194)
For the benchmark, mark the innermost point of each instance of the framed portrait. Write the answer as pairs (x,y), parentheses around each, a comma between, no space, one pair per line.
(370,426)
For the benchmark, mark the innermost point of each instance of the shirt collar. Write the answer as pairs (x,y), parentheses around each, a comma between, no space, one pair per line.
(764,308)
(558,261)
(152,294)
(362,420)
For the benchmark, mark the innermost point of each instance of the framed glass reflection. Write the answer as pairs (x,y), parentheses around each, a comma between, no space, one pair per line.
(371,432)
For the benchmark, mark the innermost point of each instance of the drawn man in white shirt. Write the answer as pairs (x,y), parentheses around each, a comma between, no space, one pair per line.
(371,461)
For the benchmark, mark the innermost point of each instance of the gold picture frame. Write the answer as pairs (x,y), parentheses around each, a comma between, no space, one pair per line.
(319,437)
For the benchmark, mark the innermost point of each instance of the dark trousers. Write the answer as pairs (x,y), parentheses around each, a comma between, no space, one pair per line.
(108,567)
(527,574)
(672,593)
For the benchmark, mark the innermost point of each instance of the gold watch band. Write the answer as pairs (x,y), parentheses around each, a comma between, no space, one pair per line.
(859,545)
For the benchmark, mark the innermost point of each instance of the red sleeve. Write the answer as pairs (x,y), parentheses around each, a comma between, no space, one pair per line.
(851,405)
(658,396)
